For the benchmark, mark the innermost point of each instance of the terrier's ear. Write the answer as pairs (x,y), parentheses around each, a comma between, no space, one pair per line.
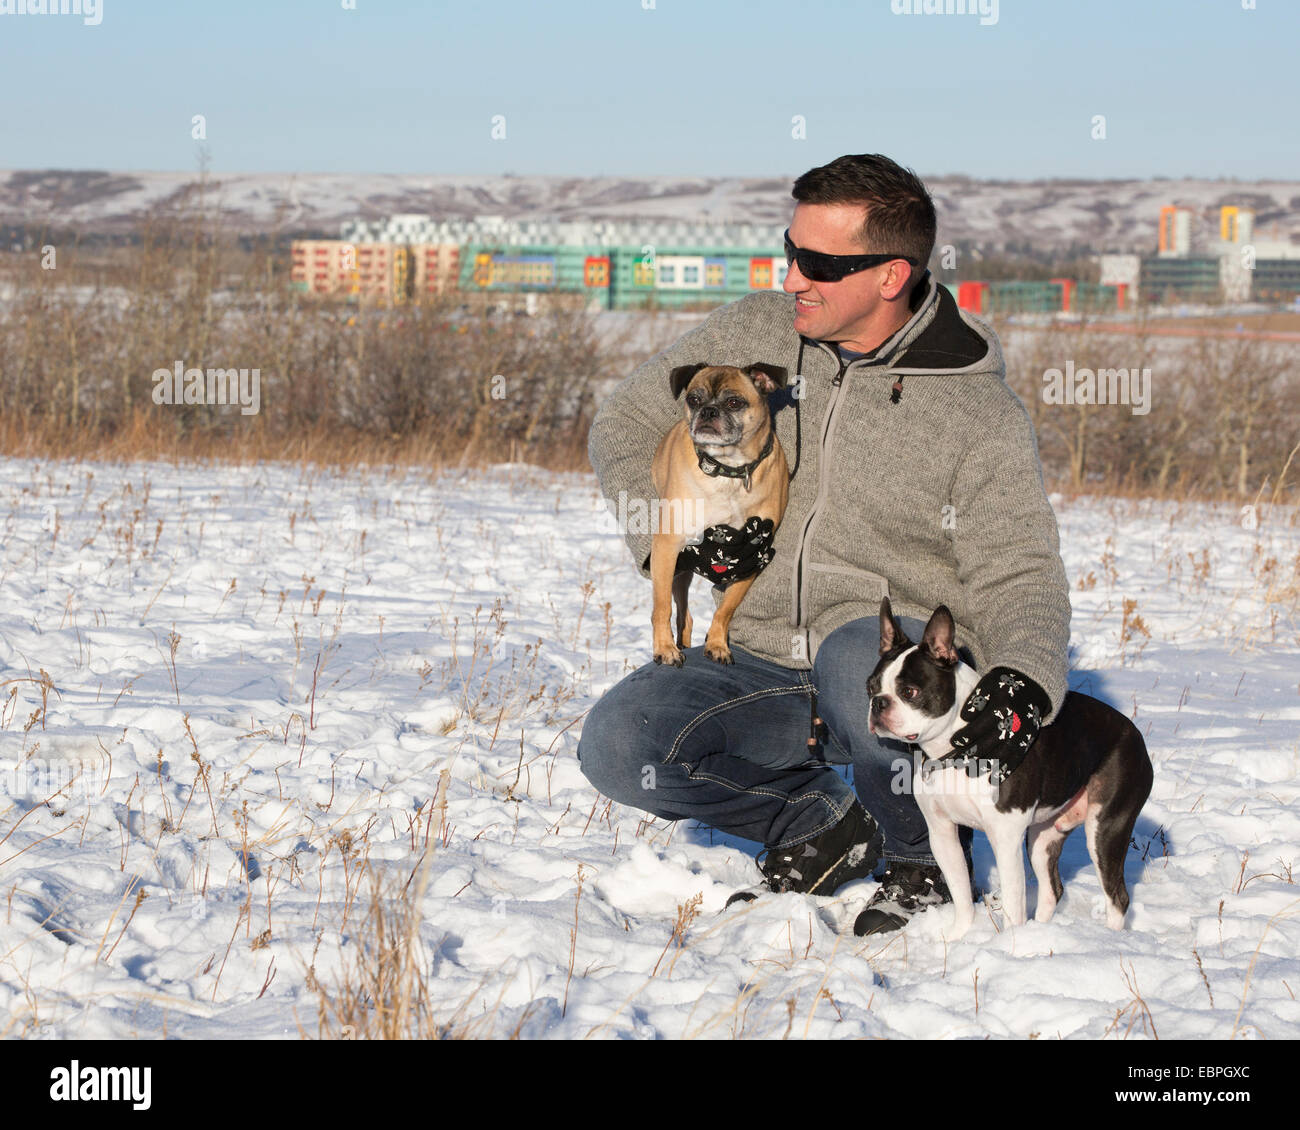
(767,378)
(682,376)
(937,641)
(892,636)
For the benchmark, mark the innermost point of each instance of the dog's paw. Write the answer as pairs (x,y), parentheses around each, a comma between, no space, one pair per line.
(670,655)
(958,929)
(718,654)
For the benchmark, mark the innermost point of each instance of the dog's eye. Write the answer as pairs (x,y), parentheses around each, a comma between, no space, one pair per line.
(693,399)
(735,404)
(910,693)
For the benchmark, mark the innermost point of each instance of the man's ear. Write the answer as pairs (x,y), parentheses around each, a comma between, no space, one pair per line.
(682,376)
(899,278)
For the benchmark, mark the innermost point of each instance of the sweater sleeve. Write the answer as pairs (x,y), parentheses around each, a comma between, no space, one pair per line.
(1007,547)
(639,412)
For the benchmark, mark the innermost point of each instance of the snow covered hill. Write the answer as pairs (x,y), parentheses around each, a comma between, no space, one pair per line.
(1110,215)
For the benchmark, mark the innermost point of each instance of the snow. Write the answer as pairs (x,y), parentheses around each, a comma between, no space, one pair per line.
(276,683)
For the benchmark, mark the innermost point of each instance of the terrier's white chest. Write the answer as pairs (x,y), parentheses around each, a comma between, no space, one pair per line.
(948,791)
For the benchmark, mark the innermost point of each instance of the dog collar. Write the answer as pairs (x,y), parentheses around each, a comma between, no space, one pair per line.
(713,468)
(974,766)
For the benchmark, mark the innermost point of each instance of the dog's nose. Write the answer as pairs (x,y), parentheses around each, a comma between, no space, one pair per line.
(880,703)
(708,412)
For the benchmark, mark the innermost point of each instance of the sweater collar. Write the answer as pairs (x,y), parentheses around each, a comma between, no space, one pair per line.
(935,338)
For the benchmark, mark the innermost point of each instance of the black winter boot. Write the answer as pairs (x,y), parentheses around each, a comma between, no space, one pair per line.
(849,850)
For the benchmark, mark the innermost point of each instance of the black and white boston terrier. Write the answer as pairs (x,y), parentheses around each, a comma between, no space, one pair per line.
(1089,767)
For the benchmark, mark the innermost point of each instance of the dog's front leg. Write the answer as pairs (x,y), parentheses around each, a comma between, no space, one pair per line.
(715,643)
(681,594)
(1007,838)
(952,862)
(663,568)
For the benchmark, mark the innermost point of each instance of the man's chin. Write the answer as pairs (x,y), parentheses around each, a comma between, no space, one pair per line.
(810,323)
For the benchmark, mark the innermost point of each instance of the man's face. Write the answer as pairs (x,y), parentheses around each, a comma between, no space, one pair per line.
(849,310)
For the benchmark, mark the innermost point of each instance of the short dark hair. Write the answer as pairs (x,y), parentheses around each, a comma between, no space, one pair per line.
(900,214)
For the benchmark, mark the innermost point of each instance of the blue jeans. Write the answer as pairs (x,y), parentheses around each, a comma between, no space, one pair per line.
(728,745)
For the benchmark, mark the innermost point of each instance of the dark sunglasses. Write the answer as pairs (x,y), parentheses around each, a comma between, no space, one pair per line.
(816,266)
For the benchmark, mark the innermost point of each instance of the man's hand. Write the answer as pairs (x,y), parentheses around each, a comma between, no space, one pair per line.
(1001,718)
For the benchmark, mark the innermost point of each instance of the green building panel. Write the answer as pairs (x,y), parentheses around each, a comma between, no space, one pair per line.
(1024,297)
(1170,279)
(1276,280)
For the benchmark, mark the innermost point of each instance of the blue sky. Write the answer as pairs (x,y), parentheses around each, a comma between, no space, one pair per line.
(710,87)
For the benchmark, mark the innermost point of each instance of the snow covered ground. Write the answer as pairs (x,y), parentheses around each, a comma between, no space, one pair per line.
(230,698)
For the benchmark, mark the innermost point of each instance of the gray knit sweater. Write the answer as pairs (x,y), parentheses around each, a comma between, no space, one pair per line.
(936,498)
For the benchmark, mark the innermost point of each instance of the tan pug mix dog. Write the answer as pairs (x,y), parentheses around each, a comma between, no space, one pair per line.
(726,422)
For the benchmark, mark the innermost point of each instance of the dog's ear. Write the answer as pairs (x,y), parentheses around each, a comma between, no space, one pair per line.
(892,636)
(767,378)
(682,376)
(937,641)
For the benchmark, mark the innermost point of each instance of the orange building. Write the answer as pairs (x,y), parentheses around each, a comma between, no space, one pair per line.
(324,266)
(436,267)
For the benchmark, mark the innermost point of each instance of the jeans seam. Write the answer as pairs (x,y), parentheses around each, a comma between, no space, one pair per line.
(836,814)
(800,688)
(840,746)
(820,827)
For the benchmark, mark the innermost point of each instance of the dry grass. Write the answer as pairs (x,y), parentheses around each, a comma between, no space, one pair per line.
(446,382)
(1220,422)
(382,990)
(1136,1011)
(451,384)
(382,993)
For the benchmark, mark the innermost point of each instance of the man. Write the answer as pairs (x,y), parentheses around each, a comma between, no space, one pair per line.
(915,475)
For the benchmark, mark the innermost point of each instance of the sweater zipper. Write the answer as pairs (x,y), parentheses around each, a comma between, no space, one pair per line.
(836,382)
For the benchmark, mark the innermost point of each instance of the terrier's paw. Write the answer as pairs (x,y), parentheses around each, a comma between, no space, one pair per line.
(670,655)
(958,929)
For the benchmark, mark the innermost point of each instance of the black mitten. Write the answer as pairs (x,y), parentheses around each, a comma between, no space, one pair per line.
(1002,717)
(728,554)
